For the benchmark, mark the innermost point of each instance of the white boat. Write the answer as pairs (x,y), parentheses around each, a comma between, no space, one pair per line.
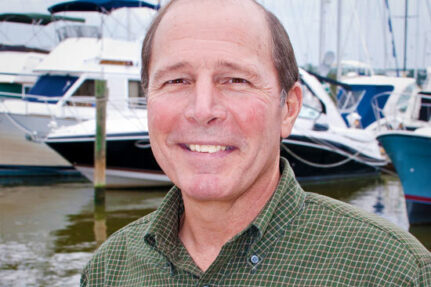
(355,101)
(321,147)
(16,70)
(17,61)
(64,91)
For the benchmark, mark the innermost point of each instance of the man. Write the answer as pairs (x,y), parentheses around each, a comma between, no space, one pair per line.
(222,88)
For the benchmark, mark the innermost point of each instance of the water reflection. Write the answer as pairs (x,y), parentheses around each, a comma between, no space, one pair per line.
(380,195)
(48,233)
(100,230)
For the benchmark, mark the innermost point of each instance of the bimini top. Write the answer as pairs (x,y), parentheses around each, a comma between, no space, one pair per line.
(102,6)
(36,18)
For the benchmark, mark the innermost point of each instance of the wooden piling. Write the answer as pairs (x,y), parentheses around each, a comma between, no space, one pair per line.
(100,137)
(100,229)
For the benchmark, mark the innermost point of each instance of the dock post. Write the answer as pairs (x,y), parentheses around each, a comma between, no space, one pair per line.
(100,162)
(100,137)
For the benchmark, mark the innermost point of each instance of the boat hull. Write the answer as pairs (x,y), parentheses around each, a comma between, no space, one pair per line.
(130,161)
(21,157)
(411,156)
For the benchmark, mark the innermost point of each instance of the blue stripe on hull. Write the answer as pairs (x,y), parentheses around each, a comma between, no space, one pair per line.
(411,156)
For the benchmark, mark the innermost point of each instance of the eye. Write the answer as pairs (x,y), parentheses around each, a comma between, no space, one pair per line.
(237,81)
(176,82)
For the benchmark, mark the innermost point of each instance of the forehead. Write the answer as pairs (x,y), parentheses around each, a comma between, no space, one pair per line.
(240,22)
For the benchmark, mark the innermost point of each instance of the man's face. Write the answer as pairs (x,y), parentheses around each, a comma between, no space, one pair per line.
(214,110)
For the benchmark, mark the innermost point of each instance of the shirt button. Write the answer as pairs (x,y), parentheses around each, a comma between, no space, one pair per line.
(254,259)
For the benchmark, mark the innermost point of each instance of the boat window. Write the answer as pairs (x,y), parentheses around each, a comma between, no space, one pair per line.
(50,86)
(425,109)
(136,94)
(349,100)
(78,31)
(311,105)
(84,96)
(403,100)
(87,89)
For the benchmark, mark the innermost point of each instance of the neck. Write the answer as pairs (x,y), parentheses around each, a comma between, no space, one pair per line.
(207,225)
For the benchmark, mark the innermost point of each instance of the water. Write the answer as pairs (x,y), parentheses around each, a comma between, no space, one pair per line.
(48,232)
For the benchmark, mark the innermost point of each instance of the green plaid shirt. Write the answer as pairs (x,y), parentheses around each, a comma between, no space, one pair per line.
(298,239)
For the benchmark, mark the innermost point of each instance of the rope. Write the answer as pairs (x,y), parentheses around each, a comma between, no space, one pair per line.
(318,165)
(349,157)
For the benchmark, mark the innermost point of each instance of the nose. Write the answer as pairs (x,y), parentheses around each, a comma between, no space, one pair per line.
(205,105)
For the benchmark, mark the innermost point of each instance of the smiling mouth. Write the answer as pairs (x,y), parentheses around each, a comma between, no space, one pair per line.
(207,148)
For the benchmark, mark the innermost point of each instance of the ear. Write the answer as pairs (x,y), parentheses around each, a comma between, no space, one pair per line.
(290,109)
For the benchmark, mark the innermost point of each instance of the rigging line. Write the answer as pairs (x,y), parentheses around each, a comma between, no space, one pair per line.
(428,8)
(335,148)
(20,127)
(384,37)
(318,165)
(346,38)
(394,50)
(361,34)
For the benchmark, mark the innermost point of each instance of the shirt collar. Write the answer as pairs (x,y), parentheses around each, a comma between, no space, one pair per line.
(284,205)
(162,233)
(286,202)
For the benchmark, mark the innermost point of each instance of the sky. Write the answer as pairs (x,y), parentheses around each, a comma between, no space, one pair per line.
(364,30)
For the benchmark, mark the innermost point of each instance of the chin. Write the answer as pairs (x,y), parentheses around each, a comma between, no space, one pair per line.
(204,188)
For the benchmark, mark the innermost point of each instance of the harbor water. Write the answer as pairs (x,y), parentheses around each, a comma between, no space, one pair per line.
(49,230)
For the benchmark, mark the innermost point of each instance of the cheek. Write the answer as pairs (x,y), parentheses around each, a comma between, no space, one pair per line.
(255,117)
(161,117)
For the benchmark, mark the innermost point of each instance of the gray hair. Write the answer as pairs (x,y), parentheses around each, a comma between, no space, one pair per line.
(283,55)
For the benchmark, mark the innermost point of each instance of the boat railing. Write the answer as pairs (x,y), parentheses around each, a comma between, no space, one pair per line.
(405,113)
(75,110)
(9,95)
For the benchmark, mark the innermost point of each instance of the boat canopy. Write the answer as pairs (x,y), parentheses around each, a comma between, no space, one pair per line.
(50,86)
(102,6)
(21,48)
(36,18)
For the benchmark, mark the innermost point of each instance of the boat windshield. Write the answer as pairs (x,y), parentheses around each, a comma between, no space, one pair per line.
(311,105)
(349,100)
(50,88)
(403,100)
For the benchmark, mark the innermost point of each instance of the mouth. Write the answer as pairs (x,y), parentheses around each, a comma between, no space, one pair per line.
(207,148)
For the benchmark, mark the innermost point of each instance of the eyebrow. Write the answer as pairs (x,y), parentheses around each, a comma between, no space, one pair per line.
(171,68)
(241,68)
(220,64)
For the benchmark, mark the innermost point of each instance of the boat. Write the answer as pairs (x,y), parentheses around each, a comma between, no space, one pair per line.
(18,60)
(357,95)
(409,148)
(321,147)
(64,94)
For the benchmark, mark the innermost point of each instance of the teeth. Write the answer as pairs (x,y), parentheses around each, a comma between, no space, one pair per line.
(206,148)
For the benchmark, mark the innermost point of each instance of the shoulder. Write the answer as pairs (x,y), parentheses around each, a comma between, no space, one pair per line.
(116,251)
(369,233)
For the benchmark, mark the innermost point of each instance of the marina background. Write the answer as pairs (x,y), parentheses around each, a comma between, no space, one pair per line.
(50,226)
(365,34)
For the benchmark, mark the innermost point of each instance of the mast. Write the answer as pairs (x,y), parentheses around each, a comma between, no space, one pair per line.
(394,50)
(340,9)
(322,30)
(384,37)
(417,39)
(406,10)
